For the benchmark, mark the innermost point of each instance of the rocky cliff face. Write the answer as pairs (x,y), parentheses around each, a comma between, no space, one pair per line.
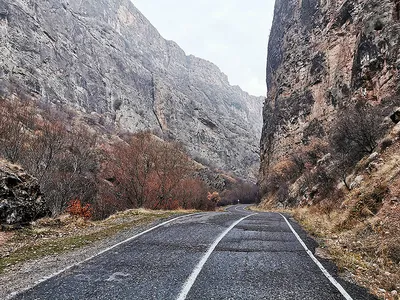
(322,56)
(104,56)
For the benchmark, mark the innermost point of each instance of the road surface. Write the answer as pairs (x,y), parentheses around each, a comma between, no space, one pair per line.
(231,255)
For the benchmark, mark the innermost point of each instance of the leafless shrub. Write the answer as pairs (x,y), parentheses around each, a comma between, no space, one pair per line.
(63,161)
(16,119)
(357,131)
(145,171)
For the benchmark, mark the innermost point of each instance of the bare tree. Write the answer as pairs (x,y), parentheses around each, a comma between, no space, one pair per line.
(128,167)
(46,143)
(356,131)
(171,167)
(73,171)
(16,118)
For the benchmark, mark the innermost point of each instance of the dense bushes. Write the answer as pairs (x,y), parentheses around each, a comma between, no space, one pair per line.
(71,161)
(144,171)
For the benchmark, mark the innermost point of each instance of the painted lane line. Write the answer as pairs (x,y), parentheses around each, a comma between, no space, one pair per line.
(196,271)
(10,296)
(241,208)
(322,268)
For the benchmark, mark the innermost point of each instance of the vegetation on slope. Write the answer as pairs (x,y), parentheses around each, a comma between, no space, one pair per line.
(74,159)
(79,157)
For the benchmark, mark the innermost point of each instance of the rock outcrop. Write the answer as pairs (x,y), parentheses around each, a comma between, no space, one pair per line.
(322,56)
(20,196)
(104,56)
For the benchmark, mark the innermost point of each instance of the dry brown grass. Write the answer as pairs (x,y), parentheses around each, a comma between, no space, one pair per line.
(367,251)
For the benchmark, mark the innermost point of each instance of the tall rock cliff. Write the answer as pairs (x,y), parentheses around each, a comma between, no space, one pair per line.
(324,55)
(104,56)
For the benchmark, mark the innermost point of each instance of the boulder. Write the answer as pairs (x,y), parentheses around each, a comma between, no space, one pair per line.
(20,198)
(374,166)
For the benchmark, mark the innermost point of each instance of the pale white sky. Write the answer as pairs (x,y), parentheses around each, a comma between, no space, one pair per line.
(233,34)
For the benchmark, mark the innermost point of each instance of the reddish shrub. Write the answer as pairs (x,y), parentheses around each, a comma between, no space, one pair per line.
(76,209)
(146,172)
(213,197)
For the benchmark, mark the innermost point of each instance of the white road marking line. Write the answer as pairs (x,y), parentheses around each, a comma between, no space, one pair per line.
(10,296)
(326,273)
(241,206)
(196,271)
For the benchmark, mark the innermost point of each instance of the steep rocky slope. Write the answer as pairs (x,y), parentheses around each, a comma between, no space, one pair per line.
(105,57)
(323,56)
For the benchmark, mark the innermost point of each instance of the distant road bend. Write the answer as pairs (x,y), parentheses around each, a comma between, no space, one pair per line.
(236,254)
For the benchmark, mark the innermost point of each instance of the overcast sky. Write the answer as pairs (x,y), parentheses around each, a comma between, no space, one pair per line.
(233,34)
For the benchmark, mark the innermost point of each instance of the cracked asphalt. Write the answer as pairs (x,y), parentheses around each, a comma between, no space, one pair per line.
(260,258)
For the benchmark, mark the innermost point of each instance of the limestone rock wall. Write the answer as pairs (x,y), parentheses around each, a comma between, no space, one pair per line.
(323,55)
(104,56)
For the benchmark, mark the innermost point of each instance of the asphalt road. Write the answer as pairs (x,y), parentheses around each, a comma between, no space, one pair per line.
(232,255)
